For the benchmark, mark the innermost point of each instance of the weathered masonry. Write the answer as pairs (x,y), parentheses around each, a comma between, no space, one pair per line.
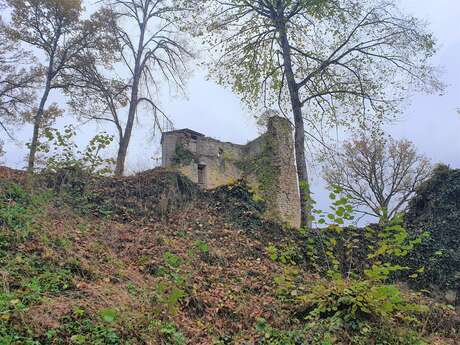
(266,163)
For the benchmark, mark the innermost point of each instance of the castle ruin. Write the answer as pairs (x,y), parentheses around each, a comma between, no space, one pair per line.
(267,164)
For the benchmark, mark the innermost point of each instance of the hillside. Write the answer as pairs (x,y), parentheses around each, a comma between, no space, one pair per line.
(151,259)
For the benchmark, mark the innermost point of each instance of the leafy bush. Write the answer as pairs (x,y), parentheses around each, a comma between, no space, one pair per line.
(436,209)
(346,251)
(355,302)
(67,170)
(288,252)
(63,154)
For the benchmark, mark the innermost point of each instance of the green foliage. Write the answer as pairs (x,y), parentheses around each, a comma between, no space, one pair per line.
(169,333)
(18,212)
(436,209)
(78,328)
(32,280)
(108,315)
(172,260)
(28,278)
(351,301)
(289,284)
(261,166)
(329,332)
(201,247)
(183,156)
(272,336)
(346,251)
(68,170)
(285,253)
(34,277)
(63,153)
(355,301)
(173,285)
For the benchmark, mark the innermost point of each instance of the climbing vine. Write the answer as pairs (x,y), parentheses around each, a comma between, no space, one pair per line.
(183,156)
(261,166)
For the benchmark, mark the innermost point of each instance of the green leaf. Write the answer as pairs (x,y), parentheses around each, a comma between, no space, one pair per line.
(108,315)
(78,339)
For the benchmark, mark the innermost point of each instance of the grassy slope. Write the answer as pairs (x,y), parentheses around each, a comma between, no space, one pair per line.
(197,276)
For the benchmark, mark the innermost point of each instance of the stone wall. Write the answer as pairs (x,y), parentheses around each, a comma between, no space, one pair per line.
(287,190)
(267,163)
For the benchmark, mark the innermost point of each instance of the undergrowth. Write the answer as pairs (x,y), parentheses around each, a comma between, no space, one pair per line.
(355,299)
(70,277)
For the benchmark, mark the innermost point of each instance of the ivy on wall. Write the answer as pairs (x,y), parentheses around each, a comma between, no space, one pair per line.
(262,168)
(436,209)
(183,156)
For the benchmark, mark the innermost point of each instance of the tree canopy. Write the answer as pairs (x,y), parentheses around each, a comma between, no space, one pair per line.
(56,29)
(325,63)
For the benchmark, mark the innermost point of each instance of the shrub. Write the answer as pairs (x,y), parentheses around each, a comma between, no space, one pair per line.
(287,252)
(345,251)
(63,154)
(354,303)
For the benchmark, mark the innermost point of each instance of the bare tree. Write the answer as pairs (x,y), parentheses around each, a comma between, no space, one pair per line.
(328,63)
(150,48)
(53,27)
(379,174)
(95,92)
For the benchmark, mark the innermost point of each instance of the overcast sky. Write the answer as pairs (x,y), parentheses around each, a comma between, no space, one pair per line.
(431,122)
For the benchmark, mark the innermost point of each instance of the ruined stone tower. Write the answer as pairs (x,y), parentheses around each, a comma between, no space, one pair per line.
(266,163)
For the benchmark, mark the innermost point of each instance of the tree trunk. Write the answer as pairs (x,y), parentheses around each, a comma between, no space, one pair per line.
(126,137)
(37,124)
(38,119)
(299,131)
(138,68)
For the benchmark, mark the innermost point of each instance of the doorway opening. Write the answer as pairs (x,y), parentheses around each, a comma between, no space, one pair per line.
(202,175)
